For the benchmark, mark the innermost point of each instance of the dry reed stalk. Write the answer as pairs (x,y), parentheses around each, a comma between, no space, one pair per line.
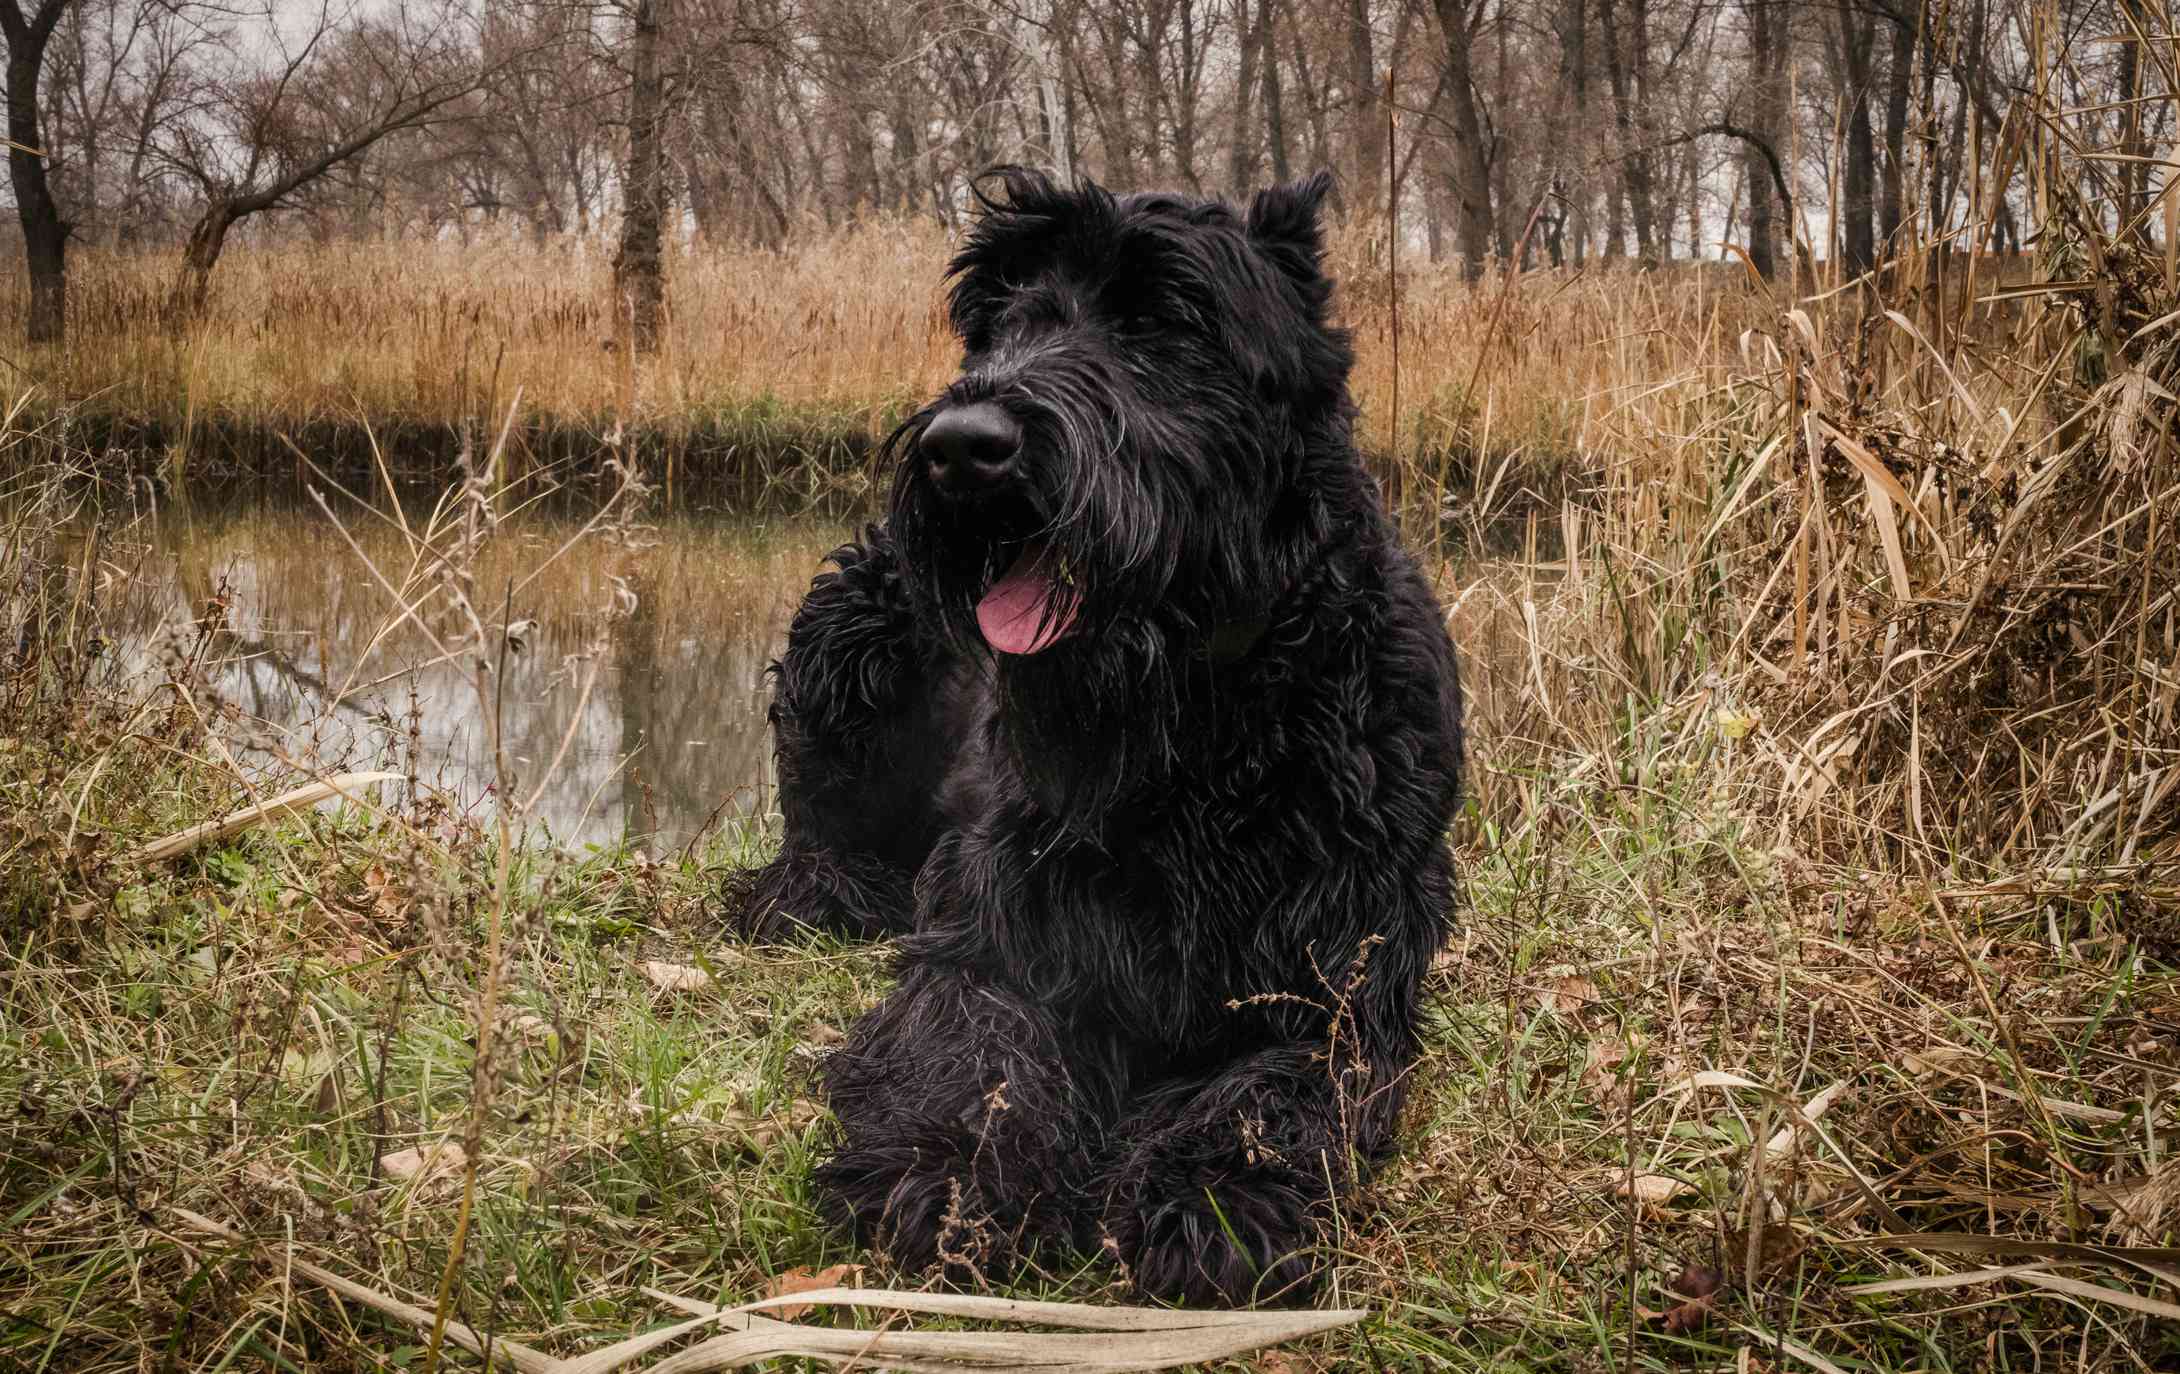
(1922,558)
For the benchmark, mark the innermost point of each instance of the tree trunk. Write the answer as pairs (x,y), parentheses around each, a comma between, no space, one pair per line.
(1762,214)
(2134,174)
(639,267)
(1275,107)
(1241,152)
(1367,136)
(193,284)
(1572,121)
(45,249)
(1767,121)
(1900,56)
(1622,71)
(1314,93)
(906,157)
(45,233)
(1858,179)
(1471,173)
(1037,36)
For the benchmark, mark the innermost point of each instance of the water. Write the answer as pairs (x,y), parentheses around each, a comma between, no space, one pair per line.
(672,627)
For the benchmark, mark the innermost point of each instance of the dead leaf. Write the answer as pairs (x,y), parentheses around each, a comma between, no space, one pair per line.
(1567,995)
(800,1280)
(674,977)
(1652,1189)
(821,1033)
(1778,1246)
(1783,1141)
(1698,1281)
(760,1134)
(386,897)
(1698,1288)
(424,1163)
(1735,725)
(1689,1316)
(1601,1080)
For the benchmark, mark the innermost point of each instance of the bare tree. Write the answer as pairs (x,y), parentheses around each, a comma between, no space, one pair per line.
(1275,102)
(1626,50)
(119,72)
(1766,86)
(1470,172)
(639,267)
(1558,128)
(326,98)
(539,134)
(45,232)
(1850,36)
(1037,35)
(1366,119)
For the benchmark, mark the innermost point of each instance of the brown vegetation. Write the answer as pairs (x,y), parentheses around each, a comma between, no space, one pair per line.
(1815,1003)
(841,334)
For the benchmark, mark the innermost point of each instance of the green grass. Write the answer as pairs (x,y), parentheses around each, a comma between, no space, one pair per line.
(1652,984)
(246,1032)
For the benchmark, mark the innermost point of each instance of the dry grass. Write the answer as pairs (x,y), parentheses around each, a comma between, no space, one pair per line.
(265,1031)
(447,332)
(817,349)
(1816,1005)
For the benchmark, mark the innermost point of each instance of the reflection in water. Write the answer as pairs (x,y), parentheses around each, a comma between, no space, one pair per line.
(679,622)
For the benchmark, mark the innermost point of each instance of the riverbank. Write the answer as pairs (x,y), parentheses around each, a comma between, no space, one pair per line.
(1683,1094)
(1693,1088)
(784,370)
(1814,1004)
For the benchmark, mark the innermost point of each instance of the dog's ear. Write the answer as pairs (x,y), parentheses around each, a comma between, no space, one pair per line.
(1026,189)
(1287,223)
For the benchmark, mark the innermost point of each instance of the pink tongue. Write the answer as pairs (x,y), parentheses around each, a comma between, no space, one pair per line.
(1025,612)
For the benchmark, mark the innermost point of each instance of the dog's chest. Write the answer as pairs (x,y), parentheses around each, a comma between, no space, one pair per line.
(1172,915)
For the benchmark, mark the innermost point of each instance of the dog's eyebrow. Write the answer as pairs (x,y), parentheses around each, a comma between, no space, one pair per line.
(1174,265)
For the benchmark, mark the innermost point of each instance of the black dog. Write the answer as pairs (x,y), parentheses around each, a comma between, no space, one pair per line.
(1138,718)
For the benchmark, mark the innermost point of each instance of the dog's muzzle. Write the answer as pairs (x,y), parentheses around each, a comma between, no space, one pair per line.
(970,449)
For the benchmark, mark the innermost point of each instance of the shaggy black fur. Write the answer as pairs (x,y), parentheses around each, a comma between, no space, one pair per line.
(1170,879)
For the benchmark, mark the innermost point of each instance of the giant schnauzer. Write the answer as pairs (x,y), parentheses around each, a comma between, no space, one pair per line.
(1136,718)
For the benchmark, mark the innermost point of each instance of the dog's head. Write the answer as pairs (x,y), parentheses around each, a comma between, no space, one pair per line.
(1146,381)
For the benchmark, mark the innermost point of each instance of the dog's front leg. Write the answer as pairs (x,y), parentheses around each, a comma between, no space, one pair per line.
(968,1121)
(869,711)
(1221,1187)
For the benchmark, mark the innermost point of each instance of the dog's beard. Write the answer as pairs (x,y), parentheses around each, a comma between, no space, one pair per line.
(1091,717)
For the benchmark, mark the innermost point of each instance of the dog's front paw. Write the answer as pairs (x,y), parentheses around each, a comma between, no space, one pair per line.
(1215,1235)
(804,890)
(907,1203)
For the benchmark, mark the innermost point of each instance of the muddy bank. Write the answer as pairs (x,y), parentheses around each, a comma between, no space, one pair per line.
(796,461)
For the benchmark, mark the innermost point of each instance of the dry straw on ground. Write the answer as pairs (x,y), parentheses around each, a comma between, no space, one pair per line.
(1099,1340)
(1815,999)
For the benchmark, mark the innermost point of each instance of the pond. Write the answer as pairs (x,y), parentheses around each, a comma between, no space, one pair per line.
(643,649)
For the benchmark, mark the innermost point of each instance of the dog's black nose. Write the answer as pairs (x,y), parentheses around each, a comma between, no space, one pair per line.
(971,448)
